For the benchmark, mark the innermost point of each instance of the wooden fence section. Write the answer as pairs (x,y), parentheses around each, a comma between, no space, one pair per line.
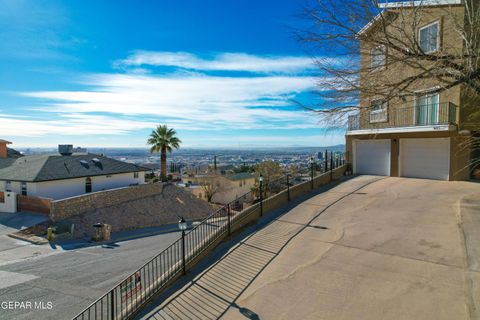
(33,204)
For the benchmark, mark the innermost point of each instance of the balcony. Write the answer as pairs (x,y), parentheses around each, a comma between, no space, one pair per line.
(413,118)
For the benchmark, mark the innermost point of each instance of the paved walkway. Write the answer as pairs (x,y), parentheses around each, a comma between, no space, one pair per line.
(369,248)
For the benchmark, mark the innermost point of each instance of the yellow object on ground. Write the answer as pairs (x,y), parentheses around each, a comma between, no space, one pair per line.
(50,234)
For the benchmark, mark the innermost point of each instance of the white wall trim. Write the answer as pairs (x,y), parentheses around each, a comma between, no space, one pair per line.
(419,3)
(446,127)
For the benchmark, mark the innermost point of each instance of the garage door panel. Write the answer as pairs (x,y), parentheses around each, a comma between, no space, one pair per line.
(425,158)
(372,157)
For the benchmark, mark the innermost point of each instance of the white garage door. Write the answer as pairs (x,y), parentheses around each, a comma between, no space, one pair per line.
(425,158)
(372,157)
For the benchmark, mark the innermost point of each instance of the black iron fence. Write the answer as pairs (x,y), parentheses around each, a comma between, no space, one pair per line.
(133,293)
(411,116)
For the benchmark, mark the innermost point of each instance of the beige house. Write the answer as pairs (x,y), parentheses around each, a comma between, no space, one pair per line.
(228,189)
(421,135)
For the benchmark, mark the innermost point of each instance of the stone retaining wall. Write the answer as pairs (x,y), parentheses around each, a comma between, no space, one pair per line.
(74,206)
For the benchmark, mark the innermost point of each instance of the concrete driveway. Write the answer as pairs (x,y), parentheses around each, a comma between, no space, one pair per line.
(370,248)
(12,250)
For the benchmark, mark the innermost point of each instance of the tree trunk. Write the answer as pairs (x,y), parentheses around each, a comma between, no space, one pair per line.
(163,164)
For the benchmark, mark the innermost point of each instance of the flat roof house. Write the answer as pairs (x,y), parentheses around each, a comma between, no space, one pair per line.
(420,134)
(65,175)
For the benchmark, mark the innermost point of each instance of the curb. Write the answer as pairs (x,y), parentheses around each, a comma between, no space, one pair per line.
(32,239)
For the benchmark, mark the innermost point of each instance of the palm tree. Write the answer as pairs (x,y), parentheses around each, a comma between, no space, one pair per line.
(163,140)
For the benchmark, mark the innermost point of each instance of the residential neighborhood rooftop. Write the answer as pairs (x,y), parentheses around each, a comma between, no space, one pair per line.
(240,176)
(56,167)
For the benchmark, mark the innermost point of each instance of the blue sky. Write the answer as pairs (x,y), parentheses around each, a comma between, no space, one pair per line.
(104,73)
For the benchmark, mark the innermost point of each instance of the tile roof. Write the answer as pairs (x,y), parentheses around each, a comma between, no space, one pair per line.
(57,167)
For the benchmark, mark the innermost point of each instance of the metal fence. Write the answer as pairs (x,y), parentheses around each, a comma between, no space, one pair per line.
(410,116)
(133,293)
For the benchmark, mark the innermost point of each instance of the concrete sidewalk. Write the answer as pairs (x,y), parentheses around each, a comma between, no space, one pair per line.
(367,249)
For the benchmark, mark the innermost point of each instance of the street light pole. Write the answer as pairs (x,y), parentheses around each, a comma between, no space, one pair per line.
(311,172)
(326,161)
(183,253)
(331,166)
(288,187)
(182,225)
(260,179)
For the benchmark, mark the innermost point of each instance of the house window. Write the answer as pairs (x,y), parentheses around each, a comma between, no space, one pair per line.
(379,57)
(8,186)
(135,175)
(24,188)
(378,111)
(429,37)
(88,185)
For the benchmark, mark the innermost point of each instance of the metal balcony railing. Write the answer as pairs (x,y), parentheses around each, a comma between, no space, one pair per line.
(411,116)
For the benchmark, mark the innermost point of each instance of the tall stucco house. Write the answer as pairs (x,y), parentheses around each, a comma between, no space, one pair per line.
(418,135)
(65,174)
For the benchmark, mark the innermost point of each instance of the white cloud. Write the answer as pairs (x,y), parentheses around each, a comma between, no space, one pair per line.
(219,62)
(72,125)
(191,101)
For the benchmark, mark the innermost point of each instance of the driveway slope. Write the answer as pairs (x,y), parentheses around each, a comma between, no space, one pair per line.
(370,248)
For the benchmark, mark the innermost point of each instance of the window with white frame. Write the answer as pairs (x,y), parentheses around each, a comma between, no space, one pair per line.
(135,175)
(429,37)
(8,186)
(378,111)
(379,57)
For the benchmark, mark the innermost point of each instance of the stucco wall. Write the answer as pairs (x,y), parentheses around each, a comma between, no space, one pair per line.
(396,68)
(8,202)
(60,189)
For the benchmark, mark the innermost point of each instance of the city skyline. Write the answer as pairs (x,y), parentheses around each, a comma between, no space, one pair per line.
(74,75)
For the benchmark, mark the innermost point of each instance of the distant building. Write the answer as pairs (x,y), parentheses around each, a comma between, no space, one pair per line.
(320,156)
(231,188)
(66,174)
(79,150)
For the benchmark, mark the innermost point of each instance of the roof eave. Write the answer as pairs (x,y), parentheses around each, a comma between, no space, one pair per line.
(419,3)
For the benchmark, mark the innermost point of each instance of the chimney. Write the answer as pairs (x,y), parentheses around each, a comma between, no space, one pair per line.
(65,149)
(3,148)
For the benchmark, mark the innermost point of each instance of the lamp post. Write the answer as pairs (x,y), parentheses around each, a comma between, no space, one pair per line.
(311,172)
(326,161)
(182,225)
(287,174)
(260,179)
(331,166)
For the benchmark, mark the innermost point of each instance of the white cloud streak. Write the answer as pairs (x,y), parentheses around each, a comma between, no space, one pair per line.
(187,99)
(72,125)
(194,102)
(219,62)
